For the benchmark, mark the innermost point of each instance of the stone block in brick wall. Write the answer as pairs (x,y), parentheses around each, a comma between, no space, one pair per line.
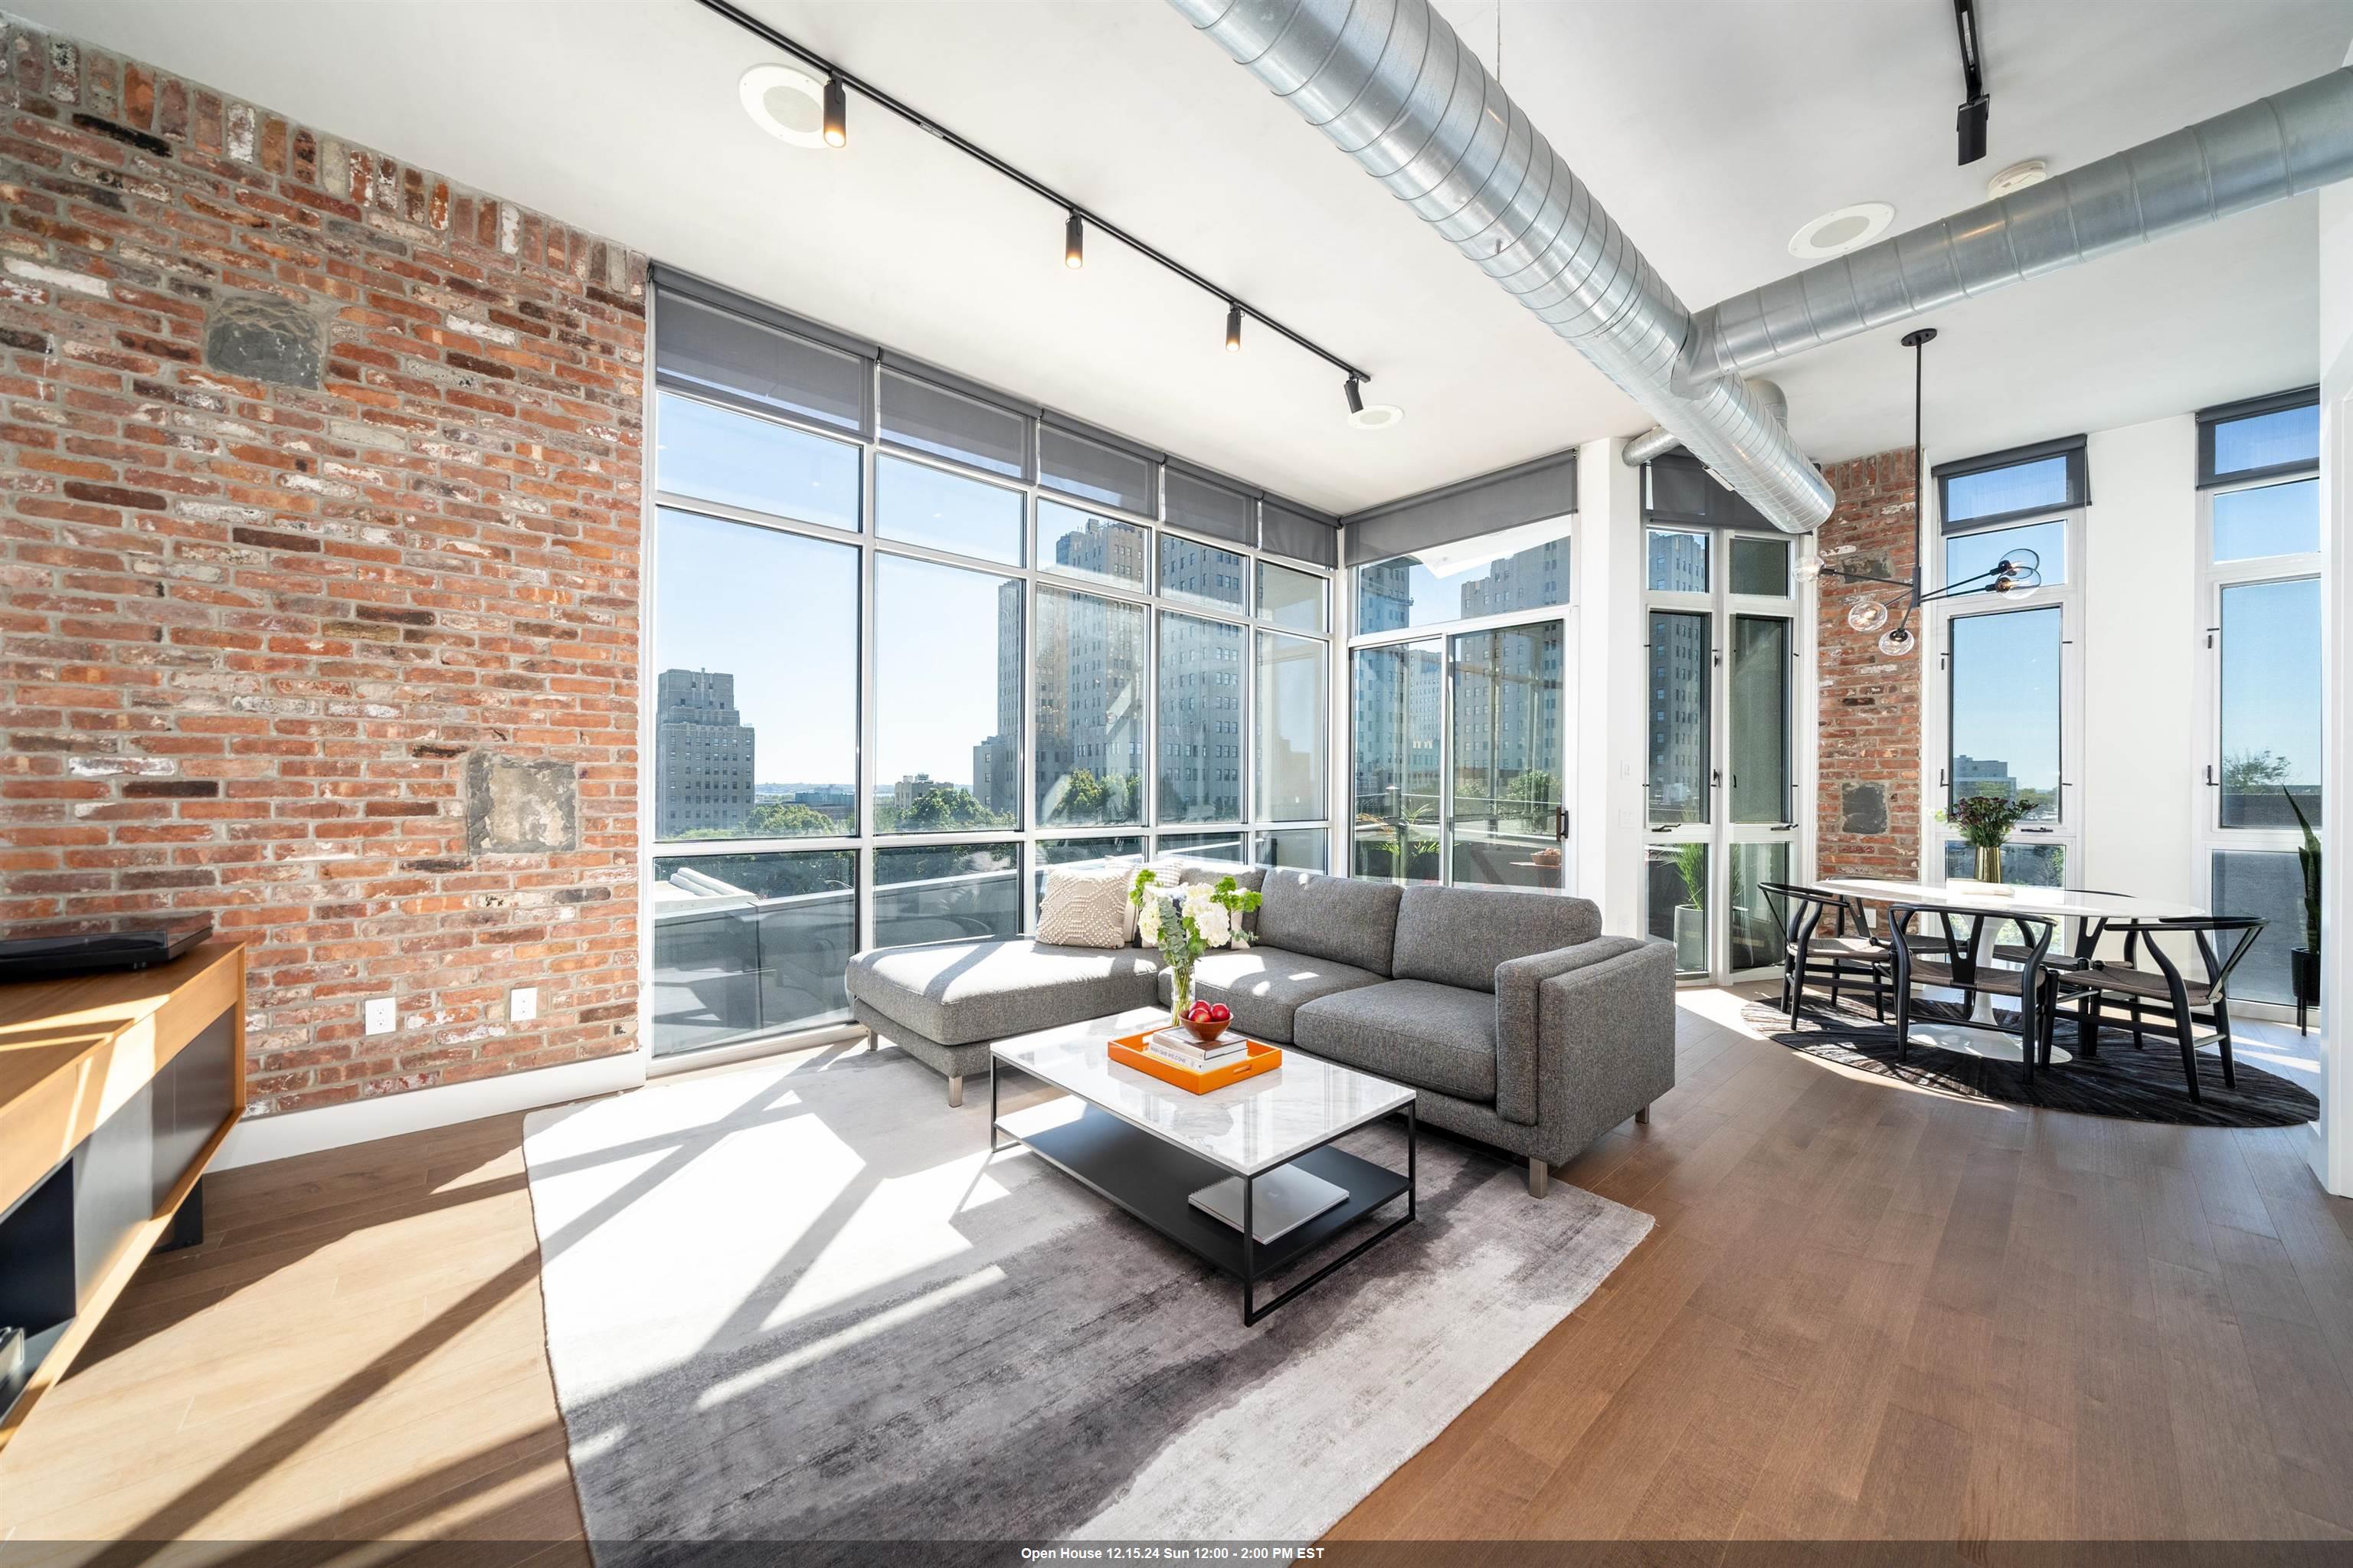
(322,488)
(1862,809)
(518,807)
(265,338)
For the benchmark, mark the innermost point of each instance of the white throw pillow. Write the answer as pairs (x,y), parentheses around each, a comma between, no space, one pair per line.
(1087,906)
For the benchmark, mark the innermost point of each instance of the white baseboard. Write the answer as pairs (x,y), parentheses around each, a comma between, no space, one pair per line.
(445,1104)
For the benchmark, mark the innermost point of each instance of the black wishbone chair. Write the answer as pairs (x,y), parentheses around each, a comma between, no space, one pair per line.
(1847,951)
(2167,994)
(1946,961)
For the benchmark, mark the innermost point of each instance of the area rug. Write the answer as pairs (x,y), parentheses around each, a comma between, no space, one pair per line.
(801,1302)
(2144,1085)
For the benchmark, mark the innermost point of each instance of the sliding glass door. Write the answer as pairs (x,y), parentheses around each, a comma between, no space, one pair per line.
(1721,777)
(1459,755)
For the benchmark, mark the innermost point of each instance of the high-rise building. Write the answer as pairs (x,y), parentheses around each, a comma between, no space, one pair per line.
(1983,776)
(1090,653)
(702,754)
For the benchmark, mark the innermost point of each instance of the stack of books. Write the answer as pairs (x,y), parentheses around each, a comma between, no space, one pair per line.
(1178,1046)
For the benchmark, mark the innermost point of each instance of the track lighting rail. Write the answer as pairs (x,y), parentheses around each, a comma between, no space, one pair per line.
(1077,211)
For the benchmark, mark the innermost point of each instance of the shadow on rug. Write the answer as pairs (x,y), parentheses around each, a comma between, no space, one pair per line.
(2143,1084)
(801,1302)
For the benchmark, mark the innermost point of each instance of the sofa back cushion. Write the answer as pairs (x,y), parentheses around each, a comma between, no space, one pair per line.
(1087,906)
(1456,936)
(1334,918)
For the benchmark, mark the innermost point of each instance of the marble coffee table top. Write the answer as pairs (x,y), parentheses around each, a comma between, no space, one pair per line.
(1246,1127)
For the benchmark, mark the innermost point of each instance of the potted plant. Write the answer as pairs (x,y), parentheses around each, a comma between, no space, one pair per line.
(2304,963)
(1186,920)
(1690,917)
(1984,823)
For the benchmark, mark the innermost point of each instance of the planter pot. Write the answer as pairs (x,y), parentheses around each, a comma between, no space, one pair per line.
(1691,938)
(1989,864)
(2304,974)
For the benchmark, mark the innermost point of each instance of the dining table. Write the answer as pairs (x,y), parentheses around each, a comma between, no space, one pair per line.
(2085,916)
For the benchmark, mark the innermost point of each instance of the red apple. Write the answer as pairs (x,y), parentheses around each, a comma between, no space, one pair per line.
(1220,1014)
(1198,1012)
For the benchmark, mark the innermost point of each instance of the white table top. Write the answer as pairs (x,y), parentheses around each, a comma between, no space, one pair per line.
(1246,1127)
(2062,902)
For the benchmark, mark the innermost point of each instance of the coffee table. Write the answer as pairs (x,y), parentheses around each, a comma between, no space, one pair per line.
(1154,1150)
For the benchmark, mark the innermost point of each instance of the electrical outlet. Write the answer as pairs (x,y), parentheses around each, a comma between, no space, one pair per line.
(383,1017)
(522,1004)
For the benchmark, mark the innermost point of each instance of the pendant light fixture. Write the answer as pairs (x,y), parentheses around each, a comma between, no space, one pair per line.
(2015,577)
(837,113)
(1233,329)
(1074,243)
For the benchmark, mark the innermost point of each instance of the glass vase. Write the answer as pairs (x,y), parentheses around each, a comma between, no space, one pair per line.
(1180,994)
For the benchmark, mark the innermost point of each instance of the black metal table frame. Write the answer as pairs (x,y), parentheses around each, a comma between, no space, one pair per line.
(1252,1310)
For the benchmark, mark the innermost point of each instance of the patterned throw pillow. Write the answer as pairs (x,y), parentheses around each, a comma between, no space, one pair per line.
(1087,906)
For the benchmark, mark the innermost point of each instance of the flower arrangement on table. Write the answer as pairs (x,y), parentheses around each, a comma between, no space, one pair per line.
(1186,919)
(1984,823)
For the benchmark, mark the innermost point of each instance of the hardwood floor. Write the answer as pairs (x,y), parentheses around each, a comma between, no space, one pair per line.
(1866,1311)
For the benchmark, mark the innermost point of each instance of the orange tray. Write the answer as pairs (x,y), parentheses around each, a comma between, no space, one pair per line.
(1128,1051)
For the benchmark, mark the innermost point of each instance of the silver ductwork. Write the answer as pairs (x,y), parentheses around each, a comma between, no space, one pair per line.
(1659,440)
(2275,147)
(1394,88)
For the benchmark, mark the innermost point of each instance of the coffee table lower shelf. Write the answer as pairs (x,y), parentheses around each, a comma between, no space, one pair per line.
(1155,1181)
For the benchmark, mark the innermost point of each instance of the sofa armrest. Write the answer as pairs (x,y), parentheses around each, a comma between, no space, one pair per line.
(1584,1036)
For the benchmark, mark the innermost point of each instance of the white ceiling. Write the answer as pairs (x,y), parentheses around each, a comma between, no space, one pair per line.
(1711,130)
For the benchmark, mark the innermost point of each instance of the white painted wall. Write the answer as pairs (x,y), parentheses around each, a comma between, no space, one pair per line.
(2331,1150)
(1608,832)
(2141,757)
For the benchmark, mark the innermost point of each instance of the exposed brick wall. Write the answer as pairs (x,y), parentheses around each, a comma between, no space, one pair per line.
(254,629)
(1868,808)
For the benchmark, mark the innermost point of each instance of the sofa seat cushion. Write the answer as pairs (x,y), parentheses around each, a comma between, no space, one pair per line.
(1456,936)
(1430,1037)
(1266,986)
(958,992)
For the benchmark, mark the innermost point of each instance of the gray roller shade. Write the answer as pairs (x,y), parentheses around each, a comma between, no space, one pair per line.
(736,359)
(1525,493)
(918,413)
(1091,469)
(1201,505)
(2013,484)
(2259,438)
(1679,492)
(1294,531)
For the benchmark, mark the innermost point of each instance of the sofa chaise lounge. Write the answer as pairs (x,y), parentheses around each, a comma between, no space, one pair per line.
(1515,1021)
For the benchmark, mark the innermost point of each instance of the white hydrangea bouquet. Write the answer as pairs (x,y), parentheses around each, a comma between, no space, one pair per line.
(1186,920)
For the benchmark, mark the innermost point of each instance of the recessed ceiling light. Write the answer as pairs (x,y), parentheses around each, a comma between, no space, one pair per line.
(1836,233)
(1375,416)
(2017,177)
(787,103)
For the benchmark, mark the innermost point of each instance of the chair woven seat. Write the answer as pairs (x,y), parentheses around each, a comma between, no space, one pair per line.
(2137,982)
(1863,949)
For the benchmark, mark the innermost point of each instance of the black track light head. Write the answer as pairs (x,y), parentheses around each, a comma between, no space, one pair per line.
(1074,243)
(1233,329)
(1355,395)
(837,113)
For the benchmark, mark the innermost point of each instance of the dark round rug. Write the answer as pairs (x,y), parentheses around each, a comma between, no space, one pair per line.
(2140,1086)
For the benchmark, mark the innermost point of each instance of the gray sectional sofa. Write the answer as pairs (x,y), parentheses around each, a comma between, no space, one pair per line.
(1513,1018)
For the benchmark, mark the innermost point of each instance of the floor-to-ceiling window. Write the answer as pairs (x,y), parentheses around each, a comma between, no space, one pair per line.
(910,646)
(2006,687)
(1458,711)
(1719,689)
(2260,488)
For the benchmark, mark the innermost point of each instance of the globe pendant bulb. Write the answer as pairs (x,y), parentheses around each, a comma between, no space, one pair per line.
(1866,615)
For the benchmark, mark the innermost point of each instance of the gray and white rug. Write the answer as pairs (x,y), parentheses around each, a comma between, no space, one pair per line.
(799,1302)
